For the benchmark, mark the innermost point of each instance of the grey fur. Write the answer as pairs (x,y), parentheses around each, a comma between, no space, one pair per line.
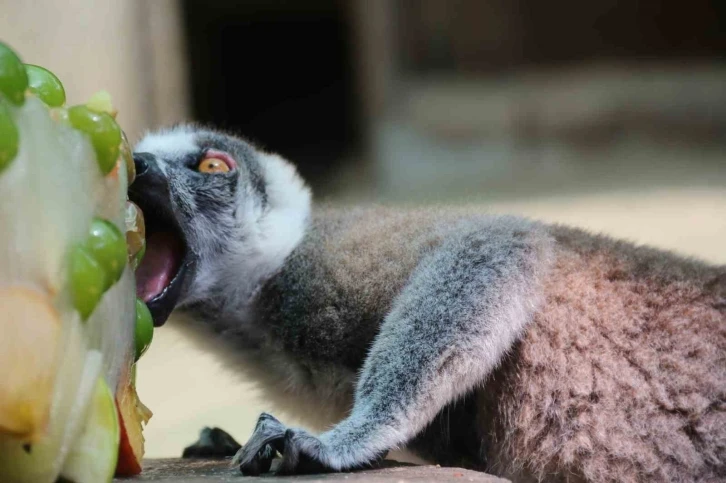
(394,321)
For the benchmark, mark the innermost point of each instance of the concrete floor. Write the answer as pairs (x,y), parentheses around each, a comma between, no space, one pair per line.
(202,471)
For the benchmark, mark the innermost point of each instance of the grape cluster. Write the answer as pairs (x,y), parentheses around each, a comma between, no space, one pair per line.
(97,263)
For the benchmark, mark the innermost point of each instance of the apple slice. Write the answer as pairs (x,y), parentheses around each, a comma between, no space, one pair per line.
(93,457)
(30,328)
(132,414)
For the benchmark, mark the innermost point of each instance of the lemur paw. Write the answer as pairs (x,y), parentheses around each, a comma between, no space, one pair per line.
(302,453)
(256,456)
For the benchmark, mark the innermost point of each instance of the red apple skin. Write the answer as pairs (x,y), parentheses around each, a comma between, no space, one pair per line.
(128,464)
(132,415)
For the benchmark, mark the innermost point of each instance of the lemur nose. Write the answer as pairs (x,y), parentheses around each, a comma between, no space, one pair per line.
(142,161)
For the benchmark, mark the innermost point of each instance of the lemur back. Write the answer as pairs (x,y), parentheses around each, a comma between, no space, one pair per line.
(622,374)
(613,316)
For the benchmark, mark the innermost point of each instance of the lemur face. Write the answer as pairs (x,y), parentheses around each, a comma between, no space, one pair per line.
(200,191)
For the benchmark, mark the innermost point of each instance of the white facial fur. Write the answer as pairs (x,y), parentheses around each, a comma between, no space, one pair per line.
(264,229)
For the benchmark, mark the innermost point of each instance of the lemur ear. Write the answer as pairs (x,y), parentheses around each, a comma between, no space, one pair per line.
(215,161)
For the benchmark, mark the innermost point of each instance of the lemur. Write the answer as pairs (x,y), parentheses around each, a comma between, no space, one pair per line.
(532,351)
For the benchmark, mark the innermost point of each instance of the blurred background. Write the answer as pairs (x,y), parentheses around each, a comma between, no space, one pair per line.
(606,114)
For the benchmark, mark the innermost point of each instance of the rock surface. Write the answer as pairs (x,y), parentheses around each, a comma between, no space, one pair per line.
(210,471)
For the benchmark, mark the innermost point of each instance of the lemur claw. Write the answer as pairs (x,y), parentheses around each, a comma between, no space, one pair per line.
(260,462)
(301,452)
(256,456)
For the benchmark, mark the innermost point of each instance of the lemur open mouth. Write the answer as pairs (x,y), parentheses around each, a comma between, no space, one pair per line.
(160,276)
(159,266)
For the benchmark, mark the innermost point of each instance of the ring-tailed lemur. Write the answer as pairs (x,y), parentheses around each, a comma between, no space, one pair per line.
(492,342)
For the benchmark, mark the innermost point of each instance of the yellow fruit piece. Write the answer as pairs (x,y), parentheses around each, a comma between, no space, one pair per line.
(93,457)
(145,413)
(30,328)
(101,102)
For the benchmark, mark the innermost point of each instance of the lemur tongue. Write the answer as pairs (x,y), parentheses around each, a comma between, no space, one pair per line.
(160,264)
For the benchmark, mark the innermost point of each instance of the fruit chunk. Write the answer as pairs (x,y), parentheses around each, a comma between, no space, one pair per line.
(44,84)
(104,133)
(107,245)
(52,190)
(129,458)
(94,456)
(136,254)
(132,413)
(135,234)
(13,79)
(9,137)
(75,383)
(101,102)
(144,328)
(30,329)
(88,279)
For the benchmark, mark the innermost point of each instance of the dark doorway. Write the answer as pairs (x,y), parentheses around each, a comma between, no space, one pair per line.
(280,73)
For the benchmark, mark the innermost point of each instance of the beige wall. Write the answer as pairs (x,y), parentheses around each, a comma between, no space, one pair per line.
(131,48)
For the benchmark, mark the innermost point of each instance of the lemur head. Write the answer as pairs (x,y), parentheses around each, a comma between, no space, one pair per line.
(220,216)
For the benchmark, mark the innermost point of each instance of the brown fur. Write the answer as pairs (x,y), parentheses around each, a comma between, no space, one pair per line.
(622,376)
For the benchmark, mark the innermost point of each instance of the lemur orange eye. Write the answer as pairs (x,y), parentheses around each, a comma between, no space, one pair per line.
(212,166)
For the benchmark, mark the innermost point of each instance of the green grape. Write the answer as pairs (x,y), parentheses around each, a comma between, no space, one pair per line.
(87,281)
(104,133)
(108,246)
(144,328)
(128,157)
(44,84)
(140,256)
(136,248)
(9,137)
(13,79)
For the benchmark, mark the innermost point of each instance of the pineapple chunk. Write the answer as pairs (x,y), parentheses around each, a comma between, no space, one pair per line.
(101,102)
(30,328)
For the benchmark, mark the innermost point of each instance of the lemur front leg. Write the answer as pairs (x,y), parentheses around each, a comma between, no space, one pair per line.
(462,309)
